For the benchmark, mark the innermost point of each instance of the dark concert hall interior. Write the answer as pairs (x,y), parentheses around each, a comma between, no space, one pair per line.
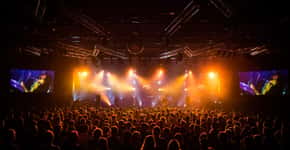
(144,75)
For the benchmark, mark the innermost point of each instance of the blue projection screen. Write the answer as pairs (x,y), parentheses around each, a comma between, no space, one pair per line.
(31,81)
(272,83)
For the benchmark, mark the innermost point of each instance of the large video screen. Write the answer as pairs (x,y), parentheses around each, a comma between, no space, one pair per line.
(31,81)
(272,82)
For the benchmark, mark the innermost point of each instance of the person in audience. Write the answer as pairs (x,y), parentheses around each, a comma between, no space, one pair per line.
(102,144)
(46,141)
(72,141)
(173,144)
(9,140)
(114,139)
(96,135)
(148,143)
(136,140)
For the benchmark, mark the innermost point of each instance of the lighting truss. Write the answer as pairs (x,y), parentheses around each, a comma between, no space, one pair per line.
(171,53)
(187,13)
(86,21)
(76,50)
(222,7)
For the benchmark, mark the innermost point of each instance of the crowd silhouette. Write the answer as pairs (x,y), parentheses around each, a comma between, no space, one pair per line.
(85,127)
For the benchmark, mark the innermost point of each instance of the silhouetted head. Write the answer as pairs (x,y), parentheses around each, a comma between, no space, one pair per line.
(173,144)
(10,135)
(156,131)
(98,132)
(103,144)
(48,137)
(148,143)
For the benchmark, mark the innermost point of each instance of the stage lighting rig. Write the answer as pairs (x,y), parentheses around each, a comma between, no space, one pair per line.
(79,52)
(170,53)
(258,50)
(91,25)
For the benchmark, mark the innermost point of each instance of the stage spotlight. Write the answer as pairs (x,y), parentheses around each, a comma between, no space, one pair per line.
(83,74)
(133,89)
(159,82)
(160,73)
(190,72)
(185,75)
(185,89)
(108,88)
(160,89)
(134,82)
(101,74)
(108,74)
(147,86)
(131,72)
(211,75)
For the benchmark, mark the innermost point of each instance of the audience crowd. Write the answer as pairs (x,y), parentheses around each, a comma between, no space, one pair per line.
(85,127)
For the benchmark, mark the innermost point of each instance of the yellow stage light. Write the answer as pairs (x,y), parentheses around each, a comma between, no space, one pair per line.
(131,72)
(160,89)
(101,74)
(147,86)
(190,72)
(83,74)
(159,82)
(133,89)
(160,73)
(108,88)
(212,75)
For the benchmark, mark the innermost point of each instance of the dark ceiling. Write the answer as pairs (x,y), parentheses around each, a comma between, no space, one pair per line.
(115,25)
